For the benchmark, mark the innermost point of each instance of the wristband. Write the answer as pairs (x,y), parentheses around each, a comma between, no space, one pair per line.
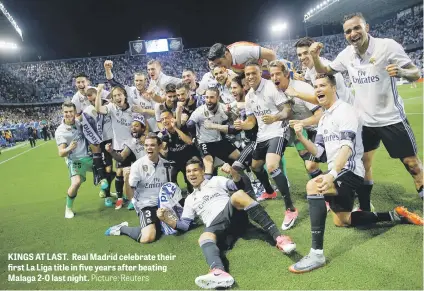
(333,173)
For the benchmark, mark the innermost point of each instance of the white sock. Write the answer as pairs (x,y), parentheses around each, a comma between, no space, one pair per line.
(317,252)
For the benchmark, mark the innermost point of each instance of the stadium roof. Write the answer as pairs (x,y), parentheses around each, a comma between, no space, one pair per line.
(372,9)
(7,30)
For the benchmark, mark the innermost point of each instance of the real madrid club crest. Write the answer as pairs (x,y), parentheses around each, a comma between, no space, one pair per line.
(145,168)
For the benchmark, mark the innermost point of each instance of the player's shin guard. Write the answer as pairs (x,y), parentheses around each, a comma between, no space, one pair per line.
(364,195)
(247,184)
(211,252)
(98,163)
(259,215)
(263,178)
(70,201)
(282,185)
(119,185)
(318,215)
(132,232)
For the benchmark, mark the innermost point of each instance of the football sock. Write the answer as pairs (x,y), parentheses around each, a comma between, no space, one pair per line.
(420,192)
(259,215)
(315,173)
(70,201)
(247,183)
(132,232)
(211,252)
(364,195)
(98,163)
(119,185)
(317,215)
(365,217)
(282,185)
(109,181)
(263,178)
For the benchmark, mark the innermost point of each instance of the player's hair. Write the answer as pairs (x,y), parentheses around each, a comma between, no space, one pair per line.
(167,112)
(217,51)
(91,91)
(238,79)
(330,78)
(304,41)
(351,15)
(154,136)
(189,70)
(195,160)
(81,75)
(281,65)
(152,62)
(252,62)
(214,89)
(123,91)
(69,104)
(183,85)
(170,88)
(219,67)
(140,74)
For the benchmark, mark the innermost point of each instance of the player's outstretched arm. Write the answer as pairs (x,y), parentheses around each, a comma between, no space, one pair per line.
(311,98)
(314,51)
(98,104)
(314,119)
(309,145)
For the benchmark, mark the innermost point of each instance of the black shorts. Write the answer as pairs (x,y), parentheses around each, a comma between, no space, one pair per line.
(127,162)
(346,184)
(246,154)
(221,149)
(398,139)
(107,158)
(276,145)
(147,216)
(227,220)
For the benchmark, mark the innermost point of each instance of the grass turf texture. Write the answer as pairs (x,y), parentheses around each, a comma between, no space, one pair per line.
(33,188)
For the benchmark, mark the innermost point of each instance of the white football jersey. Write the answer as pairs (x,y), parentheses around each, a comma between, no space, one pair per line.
(265,100)
(65,134)
(200,115)
(147,179)
(135,98)
(136,147)
(208,201)
(302,109)
(81,102)
(121,125)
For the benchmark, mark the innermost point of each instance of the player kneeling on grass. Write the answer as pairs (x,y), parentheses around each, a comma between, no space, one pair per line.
(147,176)
(212,201)
(339,141)
(73,147)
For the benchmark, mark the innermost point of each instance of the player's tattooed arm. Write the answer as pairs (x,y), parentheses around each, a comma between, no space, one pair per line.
(119,157)
(284,112)
(248,124)
(409,72)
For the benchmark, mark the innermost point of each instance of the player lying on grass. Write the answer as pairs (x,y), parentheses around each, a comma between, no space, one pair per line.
(339,142)
(147,176)
(213,202)
(73,147)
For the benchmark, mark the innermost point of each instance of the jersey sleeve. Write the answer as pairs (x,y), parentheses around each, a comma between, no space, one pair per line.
(396,54)
(158,111)
(248,107)
(278,97)
(77,103)
(195,116)
(135,176)
(109,107)
(339,64)
(348,127)
(319,141)
(247,52)
(188,211)
(60,139)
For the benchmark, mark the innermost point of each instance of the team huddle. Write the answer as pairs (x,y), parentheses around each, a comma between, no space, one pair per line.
(238,120)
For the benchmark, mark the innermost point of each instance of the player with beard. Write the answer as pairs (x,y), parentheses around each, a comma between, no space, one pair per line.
(139,98)
(271,110)
(179,146)
(208,79)
(133,150)
(218,202)
(373,65)
(170,104)
(147,176)
(338,142)
(73,147)
(237,54)
(120,112)
(186,103)
(210,141)
(224,82)
(102,160)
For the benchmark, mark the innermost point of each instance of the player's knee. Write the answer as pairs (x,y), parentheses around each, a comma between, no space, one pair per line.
(272,167)
(413,165)
(311,187)
(341,219)
(240,199)
(148,237)
(311,166)
(206,236)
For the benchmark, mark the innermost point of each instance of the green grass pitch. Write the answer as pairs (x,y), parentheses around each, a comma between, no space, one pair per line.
(33,189)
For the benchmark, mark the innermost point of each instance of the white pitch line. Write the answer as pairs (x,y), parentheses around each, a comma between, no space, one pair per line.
(15,147)
(15,156)
(413,98)
(415,113)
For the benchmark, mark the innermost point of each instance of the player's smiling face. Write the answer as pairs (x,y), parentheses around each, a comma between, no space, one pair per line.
(220,74)
(324,92)
(304,56)
(253,76)
(182,95)
(118,97)
(152,148)
(69,114)
(211,100)
(195,174)
(356,32)
(237,91)
(278,78)
(81,83)
(166,119)
(189,77)
(137,129)
(140,82)
(153,70)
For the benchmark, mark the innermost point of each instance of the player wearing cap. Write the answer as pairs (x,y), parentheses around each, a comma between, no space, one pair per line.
(373,65)
(147,176)
(73,147)
(339,143)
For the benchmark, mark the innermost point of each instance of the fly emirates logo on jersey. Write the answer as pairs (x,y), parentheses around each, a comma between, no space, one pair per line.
(155,184)
(364,78)
(259,112)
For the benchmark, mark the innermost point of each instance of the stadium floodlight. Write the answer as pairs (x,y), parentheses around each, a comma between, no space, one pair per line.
(8,45)
(278,27)
(11,20)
